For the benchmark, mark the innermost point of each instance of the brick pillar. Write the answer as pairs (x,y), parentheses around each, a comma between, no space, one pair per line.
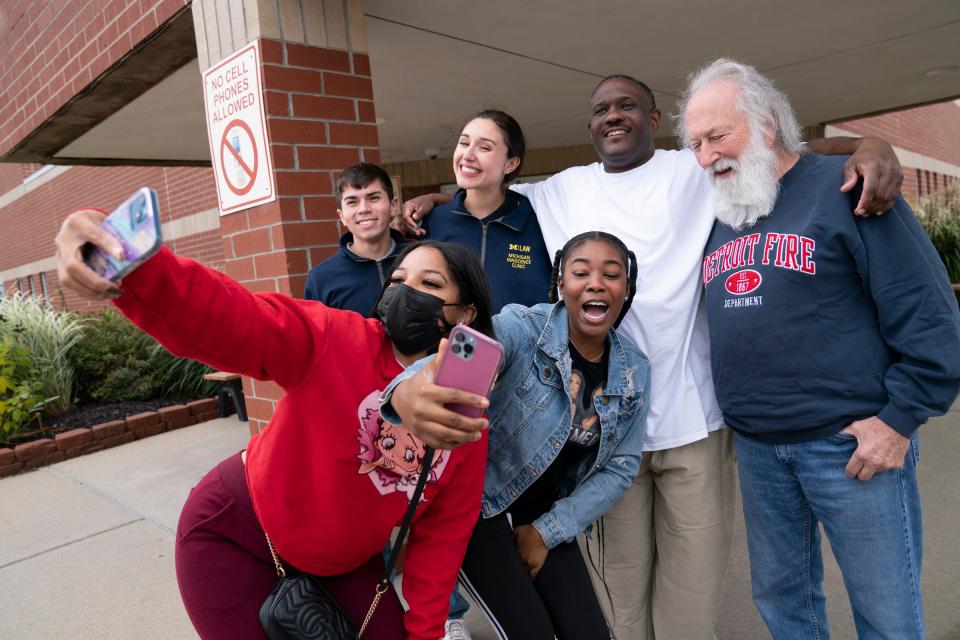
(320,119)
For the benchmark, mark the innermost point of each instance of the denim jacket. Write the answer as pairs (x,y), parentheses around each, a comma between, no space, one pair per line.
(530,419)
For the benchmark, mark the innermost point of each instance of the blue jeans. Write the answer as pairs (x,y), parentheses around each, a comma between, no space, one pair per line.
(874,529)
(458,605)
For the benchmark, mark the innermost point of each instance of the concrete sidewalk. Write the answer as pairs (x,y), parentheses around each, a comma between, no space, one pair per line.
(86,545)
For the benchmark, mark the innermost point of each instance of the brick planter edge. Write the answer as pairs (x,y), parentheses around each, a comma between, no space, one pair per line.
(84,440)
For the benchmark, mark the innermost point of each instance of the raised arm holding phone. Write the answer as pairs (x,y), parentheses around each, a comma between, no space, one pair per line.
(328,480)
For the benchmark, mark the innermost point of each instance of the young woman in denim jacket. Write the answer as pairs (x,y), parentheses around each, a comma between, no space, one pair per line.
(566,436)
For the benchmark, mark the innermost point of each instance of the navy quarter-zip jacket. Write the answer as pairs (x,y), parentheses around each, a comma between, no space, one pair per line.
(348,281)
(508,242)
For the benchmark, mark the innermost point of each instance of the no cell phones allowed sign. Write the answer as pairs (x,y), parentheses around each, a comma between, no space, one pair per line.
(236,123)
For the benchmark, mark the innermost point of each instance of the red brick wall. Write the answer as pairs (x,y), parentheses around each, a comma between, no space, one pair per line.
(54,49)
(320,119)
(922,182)
(205,247)
(933,130)
(30,223)
(12,175)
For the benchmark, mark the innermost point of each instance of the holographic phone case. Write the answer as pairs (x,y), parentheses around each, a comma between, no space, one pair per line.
(136,224)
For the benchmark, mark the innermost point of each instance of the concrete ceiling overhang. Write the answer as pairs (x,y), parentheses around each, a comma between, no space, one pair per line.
(132,113)
(435,62)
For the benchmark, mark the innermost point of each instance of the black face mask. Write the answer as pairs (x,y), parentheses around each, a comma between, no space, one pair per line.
(410,318)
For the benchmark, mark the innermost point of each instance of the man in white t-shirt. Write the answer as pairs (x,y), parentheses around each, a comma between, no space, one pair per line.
(662,550)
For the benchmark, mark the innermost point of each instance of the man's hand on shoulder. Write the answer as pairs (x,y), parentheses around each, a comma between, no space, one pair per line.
(875,161)
(418,208)
(879,448)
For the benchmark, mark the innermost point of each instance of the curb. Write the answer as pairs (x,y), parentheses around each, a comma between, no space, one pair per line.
(78,442)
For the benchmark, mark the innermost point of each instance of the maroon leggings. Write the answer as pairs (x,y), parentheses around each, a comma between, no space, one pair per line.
(225,570)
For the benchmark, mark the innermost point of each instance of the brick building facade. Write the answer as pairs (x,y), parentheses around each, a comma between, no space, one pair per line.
(927,140)
(65,62)
(68,62)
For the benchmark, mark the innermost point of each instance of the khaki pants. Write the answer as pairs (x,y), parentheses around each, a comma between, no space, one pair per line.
(660,554)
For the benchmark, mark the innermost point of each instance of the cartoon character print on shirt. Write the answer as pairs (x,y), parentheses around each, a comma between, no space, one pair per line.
(390,455)
(584,431)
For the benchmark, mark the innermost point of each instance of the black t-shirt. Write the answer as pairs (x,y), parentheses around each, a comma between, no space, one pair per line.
(559,479)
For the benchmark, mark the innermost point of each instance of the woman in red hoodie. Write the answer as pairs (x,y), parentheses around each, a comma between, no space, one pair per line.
(327,479)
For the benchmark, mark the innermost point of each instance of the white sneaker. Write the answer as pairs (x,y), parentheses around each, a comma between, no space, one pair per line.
(456,630)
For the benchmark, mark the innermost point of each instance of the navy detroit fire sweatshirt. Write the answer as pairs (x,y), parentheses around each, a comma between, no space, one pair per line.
(819,318)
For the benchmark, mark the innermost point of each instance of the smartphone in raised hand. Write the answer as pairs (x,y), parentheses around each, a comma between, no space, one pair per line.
(136,225)
(470,363)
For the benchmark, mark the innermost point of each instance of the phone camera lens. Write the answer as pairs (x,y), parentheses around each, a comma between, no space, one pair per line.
(455,348)
(460,337)
(468,348)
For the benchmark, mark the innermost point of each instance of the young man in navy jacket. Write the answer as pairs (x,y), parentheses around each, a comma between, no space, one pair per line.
(353,277)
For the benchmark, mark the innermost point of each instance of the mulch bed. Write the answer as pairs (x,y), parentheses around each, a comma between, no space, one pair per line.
(88,416)
(97,427)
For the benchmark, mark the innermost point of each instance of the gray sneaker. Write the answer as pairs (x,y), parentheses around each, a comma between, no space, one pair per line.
(456,630)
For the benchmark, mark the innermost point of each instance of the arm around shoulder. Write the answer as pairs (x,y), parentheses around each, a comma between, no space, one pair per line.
(872,159)
(417,208)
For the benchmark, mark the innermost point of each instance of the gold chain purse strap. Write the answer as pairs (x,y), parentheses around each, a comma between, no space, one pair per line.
(384,585)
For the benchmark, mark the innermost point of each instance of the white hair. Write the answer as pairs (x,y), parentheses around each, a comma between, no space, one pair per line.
(750,191)
(765,107)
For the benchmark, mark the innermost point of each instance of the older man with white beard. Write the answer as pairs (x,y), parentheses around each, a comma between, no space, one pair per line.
(833,338)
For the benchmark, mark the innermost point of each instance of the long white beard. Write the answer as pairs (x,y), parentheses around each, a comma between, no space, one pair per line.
(750,191)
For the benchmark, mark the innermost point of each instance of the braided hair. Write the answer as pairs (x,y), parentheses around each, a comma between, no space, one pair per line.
(629,259)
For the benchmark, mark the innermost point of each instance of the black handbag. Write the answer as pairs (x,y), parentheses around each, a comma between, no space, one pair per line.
(299,608)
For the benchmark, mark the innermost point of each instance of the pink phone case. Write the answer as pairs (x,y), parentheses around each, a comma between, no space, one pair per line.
(470,363)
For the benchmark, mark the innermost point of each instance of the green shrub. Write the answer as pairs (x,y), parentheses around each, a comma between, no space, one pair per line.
(116,362)
(180,377)
(946,238)
(940,215)
(112,361)
(21,397)
(47,335)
